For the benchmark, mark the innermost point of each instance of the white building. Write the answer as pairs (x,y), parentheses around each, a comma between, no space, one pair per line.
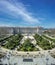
(22,30)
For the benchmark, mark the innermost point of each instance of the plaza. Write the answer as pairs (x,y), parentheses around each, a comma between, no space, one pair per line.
(26,58)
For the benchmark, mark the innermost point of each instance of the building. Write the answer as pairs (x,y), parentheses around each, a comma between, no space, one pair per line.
(22,30)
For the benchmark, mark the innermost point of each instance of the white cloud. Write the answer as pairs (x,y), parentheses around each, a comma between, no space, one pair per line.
(2,24)
(17,10)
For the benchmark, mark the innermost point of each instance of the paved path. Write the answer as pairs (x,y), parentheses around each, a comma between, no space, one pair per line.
(50,37)
(31,39)
(39,48)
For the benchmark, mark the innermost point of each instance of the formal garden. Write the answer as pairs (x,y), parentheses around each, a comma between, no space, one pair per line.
(43,43)
(13,42)
(27,46)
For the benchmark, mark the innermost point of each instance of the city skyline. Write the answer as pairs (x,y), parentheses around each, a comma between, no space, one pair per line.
(27,13)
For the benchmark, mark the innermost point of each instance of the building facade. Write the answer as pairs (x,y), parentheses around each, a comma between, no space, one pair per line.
(22,30)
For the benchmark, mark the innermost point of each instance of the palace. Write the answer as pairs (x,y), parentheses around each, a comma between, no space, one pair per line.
(22,30)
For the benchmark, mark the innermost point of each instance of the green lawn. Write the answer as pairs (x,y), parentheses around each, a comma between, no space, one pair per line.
(43,43)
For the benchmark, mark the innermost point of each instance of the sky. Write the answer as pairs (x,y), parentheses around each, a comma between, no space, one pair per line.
(15,13)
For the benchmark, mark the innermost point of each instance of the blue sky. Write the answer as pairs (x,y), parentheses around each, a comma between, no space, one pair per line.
(27,13)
